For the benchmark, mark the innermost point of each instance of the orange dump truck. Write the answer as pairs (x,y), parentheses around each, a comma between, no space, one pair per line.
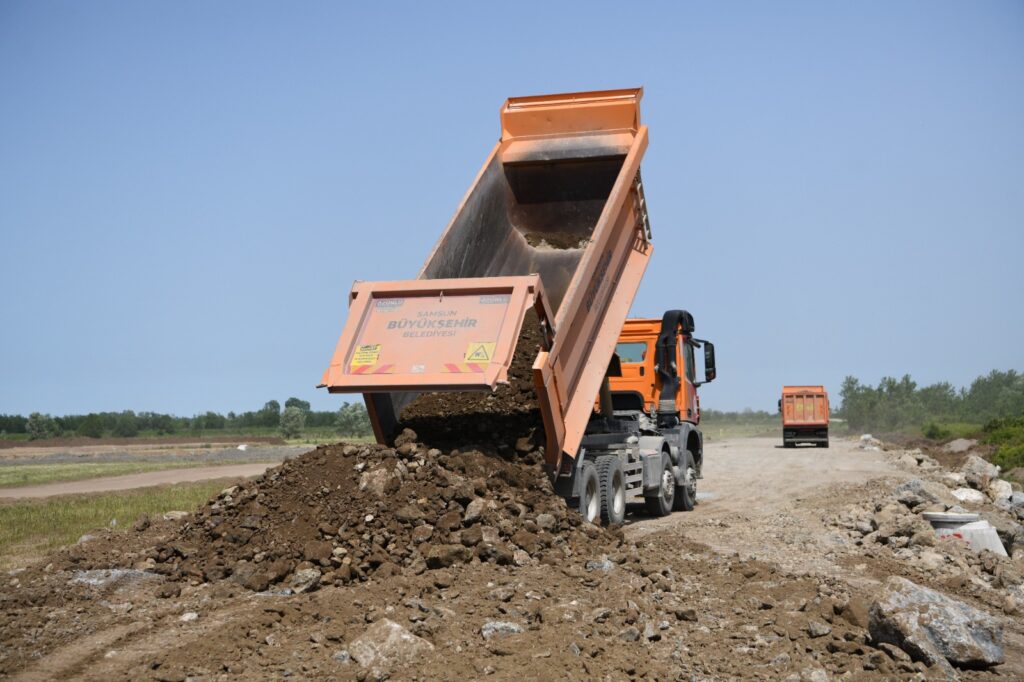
(804,411)
(554,223)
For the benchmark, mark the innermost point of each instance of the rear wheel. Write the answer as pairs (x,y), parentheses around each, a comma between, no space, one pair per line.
(686,493)
(613,489)
(590,493)
(659,503)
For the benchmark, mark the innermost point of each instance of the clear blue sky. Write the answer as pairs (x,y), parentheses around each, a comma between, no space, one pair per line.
(188,190)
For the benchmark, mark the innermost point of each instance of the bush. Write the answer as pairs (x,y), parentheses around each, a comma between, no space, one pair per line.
(91,426)
(352,420)
(935,431)
(293,420)
(1008,436)
(41,426)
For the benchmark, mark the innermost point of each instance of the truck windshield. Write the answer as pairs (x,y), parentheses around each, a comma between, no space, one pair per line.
(633,352)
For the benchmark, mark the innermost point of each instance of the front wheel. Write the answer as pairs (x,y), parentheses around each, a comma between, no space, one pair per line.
(590,493)
(686,492)
(613,489)
(660,502)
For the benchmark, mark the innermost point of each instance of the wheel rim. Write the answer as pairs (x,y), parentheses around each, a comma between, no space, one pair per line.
(691,482)
(618,495)
(593,500)
(668,484)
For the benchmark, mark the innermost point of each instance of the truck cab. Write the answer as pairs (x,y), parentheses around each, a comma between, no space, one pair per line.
(643,439)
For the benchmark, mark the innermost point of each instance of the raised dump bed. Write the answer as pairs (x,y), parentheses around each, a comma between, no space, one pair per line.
(555,222)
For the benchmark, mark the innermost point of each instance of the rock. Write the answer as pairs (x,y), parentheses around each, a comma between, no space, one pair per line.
(650,633)
(999,490)
(689,615)
(305,580)
(969,496)
(979,472)
(630,634)
(410,513)
(817,629)
(545,521)
(189,616)
(342,656)
(473,510)
(599,565)
(934,628)
(500,627)
(317,551)
(913,492)
(1017,499)
(422,533)
(931,561)
(386,644)
(441,556)
(175,515)
(142,523)
(954,479)
(407,436)
(869,442)
(959,445)
(520,557)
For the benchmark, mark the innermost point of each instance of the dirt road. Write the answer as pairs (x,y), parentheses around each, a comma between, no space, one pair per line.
(143,480)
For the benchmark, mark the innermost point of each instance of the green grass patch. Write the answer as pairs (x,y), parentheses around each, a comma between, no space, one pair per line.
(30,528)
(943,430)
(1008,437)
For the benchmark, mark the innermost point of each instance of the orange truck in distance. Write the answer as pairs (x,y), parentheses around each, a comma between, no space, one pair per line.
(804,411)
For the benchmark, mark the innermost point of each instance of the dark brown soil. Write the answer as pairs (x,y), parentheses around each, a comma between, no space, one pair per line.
(492,421)
(556,240)
(351,511)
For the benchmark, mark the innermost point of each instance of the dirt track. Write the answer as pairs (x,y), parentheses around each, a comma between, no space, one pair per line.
(727,591)
(132,481)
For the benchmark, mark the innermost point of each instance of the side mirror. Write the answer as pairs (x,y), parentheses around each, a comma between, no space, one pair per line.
(709,362)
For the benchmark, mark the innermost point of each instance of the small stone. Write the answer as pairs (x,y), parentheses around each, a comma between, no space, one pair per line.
(817,629)
(630,634)
(500,627)
(189,616)
(305,580)
(342,656)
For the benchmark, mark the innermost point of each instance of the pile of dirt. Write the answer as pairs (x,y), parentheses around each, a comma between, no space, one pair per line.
(342,513)
(557,240)
(485,420)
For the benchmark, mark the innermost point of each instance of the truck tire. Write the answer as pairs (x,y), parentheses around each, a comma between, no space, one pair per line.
(590,493)
(823,445)
(686,495)
(660,503)
(613,489)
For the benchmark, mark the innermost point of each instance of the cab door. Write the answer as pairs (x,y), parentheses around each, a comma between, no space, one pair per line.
(689,409)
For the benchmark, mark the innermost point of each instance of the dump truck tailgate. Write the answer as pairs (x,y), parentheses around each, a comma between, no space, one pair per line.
(431,335)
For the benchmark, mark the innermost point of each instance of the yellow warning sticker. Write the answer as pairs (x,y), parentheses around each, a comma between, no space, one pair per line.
(366,355)
(480,351)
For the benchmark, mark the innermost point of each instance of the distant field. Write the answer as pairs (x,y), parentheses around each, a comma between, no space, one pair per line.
(18,475)
(29,529)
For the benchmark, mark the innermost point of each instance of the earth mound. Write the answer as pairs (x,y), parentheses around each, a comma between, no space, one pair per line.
(345,512)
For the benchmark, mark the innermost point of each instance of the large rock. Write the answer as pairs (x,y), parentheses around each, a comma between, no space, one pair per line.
(999,490)
(959,445)
(969,496)
(386,644)
(934,628)
(979,472)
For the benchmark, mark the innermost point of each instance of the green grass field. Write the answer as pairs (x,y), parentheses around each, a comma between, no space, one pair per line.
(30,528)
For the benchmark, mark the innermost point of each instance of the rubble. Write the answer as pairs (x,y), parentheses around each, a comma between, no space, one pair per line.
(934,628)
(316,520)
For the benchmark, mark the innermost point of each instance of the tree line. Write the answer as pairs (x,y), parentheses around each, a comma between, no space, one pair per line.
(292,420)
(899,403)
